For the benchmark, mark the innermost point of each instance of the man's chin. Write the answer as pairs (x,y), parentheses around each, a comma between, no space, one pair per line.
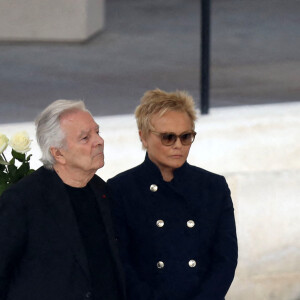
(101,164)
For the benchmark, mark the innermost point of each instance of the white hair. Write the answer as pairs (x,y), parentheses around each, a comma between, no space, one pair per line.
(48,131)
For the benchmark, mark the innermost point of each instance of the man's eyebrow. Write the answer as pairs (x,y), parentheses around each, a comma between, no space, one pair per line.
(85,132)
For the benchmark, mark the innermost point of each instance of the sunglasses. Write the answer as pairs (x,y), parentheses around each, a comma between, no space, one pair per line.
(170,138)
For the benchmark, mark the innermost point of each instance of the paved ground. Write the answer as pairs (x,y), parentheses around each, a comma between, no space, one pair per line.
(155,43)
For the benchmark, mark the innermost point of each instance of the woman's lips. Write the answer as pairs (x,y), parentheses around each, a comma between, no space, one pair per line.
(176,156)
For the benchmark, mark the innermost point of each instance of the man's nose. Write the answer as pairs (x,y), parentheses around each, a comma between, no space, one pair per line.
(99,140)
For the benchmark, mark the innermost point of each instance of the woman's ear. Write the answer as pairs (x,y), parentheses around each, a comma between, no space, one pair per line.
(143,139)
(58,155)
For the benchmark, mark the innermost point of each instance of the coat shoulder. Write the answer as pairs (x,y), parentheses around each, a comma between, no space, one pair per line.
(124,176)
(32,180)
(203,174)
(28,187)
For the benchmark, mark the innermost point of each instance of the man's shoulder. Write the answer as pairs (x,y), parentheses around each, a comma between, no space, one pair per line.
(40,175)
(31,183)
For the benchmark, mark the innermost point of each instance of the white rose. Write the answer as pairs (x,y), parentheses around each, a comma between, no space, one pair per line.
(3,142)
(20,142)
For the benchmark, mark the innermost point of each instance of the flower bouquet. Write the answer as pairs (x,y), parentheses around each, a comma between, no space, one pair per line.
(10,172)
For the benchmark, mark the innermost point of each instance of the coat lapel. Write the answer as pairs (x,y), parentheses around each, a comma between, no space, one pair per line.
(63,213)
(100,191)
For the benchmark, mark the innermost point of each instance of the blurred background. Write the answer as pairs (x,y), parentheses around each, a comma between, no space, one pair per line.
(142,45)
(108,53)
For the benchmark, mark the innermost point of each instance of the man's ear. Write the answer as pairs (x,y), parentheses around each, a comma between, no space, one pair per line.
(143,139)
(58,155)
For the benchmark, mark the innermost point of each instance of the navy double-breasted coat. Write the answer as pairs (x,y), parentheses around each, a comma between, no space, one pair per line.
(177,239)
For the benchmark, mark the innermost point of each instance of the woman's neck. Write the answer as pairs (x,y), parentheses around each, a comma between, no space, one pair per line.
(167,174)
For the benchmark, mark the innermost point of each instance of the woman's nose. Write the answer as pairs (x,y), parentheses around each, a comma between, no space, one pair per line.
(177,143)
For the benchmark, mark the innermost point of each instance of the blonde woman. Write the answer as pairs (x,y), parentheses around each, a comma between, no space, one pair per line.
(175,222)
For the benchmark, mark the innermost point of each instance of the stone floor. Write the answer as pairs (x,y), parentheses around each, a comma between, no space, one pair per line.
(147,44)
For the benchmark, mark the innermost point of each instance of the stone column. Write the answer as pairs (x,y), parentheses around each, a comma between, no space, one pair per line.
(50,20)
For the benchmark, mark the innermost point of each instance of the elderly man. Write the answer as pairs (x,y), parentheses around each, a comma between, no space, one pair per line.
(56,234)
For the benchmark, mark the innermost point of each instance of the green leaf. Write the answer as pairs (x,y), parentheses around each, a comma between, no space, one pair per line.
(12,162)
(3,162)
(3,187)
(4,178)
(30,171)
(12,173)
(19,156)
(12,169)
(23,170)
(2,168)
(28,157)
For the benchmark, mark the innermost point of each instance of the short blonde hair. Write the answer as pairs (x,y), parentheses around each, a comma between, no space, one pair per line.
(159,102)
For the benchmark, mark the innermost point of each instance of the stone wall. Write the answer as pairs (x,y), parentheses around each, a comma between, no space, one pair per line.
(257,148)
(267,214)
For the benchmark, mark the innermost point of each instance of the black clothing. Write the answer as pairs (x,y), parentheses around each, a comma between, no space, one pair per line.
(177,239)
(94,238)
(42,254)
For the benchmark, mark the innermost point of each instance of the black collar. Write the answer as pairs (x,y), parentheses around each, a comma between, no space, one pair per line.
(152,171)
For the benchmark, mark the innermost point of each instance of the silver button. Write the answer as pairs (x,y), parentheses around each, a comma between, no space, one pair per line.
(190,223)
(192,263)
(160,264)
(160,223)
(153,187)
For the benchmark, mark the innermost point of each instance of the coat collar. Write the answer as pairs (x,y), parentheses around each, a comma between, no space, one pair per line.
(152,171)
(99,189)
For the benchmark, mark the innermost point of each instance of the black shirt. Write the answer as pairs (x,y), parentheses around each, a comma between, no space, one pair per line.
(95,241)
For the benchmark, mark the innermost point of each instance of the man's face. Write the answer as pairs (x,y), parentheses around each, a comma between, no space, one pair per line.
(84,147)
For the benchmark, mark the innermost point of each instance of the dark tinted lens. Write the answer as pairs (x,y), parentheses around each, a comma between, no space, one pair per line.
(186,138)
(168,138)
